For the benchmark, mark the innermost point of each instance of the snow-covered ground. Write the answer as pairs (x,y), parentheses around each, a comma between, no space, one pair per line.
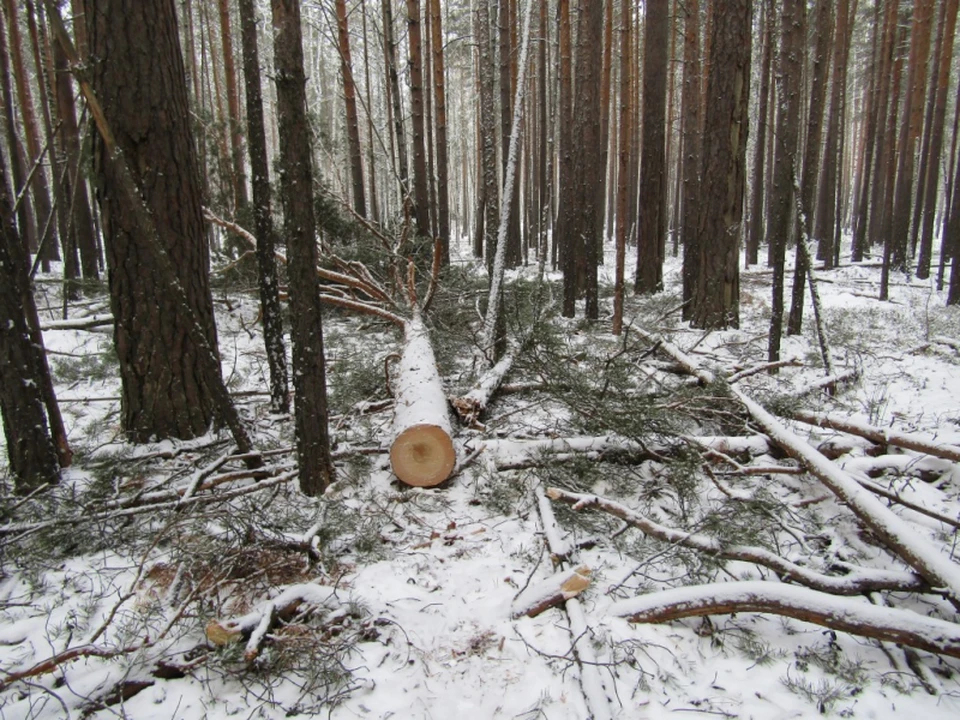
(420,583)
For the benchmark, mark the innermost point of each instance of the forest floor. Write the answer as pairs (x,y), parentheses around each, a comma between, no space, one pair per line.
(163,581)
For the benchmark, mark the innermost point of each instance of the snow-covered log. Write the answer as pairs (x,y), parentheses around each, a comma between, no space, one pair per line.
(473,403)
(422,452)
(899,536)
(854,581)
(883,436)
(857,617)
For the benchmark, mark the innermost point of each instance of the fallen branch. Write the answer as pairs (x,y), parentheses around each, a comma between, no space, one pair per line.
(855,582)
(255,625)
(829,384)
(894,532)
(763,367)
(551,592)
(84,323)
(517,454)
(689,365)
(590,679)
(883,436)
(846,615)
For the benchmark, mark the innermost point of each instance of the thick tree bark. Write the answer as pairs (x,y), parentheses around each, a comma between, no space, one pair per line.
(651,236)
(789,78)
(716,300)
(299,224)
(262,213)
(164,391)
(30,449)
(350,105)
(588,167)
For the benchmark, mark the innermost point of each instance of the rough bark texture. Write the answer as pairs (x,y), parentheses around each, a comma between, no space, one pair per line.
(139,80)
(33,459)
(588,167)
(299,225)
(623,157)
(393,90)
(262,215)
(690,166)
(653,190)
(716,300)
(789,78)
(566,248)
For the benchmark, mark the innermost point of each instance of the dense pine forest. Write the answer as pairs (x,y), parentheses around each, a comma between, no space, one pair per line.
(508,358)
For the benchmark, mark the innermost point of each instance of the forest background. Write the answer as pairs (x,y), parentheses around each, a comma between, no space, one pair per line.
(393,214)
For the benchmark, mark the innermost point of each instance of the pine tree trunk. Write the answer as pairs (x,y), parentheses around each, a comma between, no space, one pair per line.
(76,192)
(30,449)
(421,200)
(165,392)
(393,91)
(910,131)
(371,165)
(716,301)
(262,213)
(47,236)
(235,124)
(931,158)
(567,247)
(439,89)
(653,189)
(690,128)
(811,159)
(488,142)
(827,202)
(350,104)
(299,224)
(882,224)
(786,134)
(26,217)
(623,158)
(755,226)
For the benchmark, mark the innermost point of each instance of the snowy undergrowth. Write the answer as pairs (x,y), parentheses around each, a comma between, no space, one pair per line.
(418,585)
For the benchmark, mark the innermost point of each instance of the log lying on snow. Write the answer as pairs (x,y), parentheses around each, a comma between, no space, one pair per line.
(845,614)
(551,592)
(422,452)
(883,436)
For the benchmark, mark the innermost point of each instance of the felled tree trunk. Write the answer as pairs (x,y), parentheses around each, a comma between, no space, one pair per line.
(422,452)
